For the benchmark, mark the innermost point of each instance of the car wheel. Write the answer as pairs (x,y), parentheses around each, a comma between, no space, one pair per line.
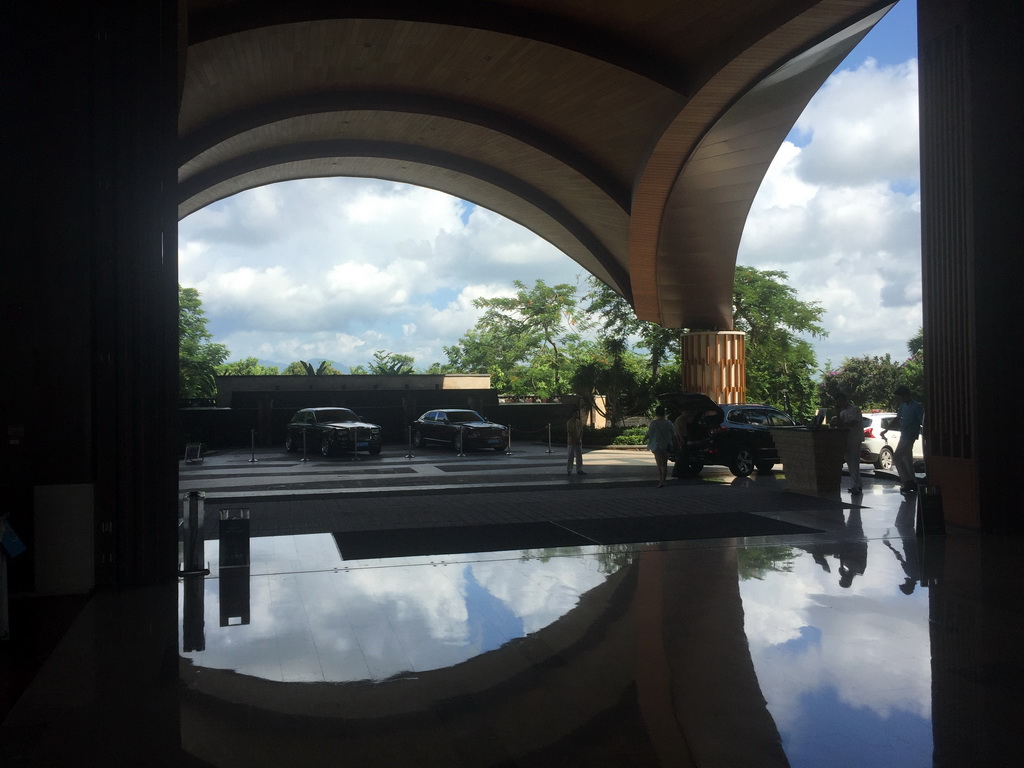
(417,438)
(765,466)
(289,444)
(325,445)
(885,458)
(743,462)
(375,450)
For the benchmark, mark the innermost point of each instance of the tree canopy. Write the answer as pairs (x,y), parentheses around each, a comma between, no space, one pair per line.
(391,364)
(780,363)
(535,321)
(250,366)
(870,381)
(198,357)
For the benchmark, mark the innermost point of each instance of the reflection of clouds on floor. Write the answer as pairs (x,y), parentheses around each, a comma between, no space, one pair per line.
(847,651)
(539,592)
(376,622)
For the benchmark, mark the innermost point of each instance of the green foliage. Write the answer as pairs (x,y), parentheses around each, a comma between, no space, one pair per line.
(391,364)
(780,364)
(868,381)
(631,436)
(302,368)
(609,368)
(531,345)
(198,357)
(250,366)
(620,322)
(535,320)
(755,562)
(871,381)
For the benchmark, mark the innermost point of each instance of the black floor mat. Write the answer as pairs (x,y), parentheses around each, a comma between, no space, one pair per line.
(450,540)
(455,539)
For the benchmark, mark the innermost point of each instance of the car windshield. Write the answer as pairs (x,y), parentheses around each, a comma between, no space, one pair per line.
(335,414)
(463,417)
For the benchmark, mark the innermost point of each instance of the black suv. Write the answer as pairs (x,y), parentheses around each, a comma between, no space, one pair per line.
(733,435)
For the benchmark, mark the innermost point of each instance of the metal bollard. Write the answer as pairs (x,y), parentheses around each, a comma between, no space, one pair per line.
(930,520)
(409,454)
(462,440)
(549,438)
(234,538)
(304,458)
(252,442)
(508,449)
(193,504)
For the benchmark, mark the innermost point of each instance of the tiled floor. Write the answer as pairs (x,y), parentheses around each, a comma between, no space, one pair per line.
(862,645)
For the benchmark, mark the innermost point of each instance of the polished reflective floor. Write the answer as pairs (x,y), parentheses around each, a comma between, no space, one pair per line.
(850,642)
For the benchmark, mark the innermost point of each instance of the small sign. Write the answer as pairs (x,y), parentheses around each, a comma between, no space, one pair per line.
(193,453)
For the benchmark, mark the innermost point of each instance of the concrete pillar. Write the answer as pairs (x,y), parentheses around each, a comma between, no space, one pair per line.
(715,363)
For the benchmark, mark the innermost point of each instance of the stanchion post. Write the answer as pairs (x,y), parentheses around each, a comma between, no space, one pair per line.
(252,443)
(508,450)
(409,454)
(193,504)
(355,443)
(304,457)
(462,439)
(549,438)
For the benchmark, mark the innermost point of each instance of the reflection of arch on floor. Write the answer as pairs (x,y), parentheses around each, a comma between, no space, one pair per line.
(646,664)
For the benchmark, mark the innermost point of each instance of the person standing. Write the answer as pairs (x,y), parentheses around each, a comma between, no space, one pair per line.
(574,441)
(851,419)
(660,434)
(909,417)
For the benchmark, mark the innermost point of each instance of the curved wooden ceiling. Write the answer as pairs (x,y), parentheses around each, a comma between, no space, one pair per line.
(632,136)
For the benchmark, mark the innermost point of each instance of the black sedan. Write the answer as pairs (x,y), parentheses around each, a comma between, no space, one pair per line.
(735,435)
(331,431)
(460,428)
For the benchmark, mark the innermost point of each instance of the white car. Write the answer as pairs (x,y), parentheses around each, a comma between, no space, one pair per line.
(879,450)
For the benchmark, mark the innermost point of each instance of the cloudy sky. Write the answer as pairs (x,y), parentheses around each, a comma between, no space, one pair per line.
(339,268)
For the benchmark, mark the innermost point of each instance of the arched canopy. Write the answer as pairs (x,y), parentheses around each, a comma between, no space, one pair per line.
(632,136)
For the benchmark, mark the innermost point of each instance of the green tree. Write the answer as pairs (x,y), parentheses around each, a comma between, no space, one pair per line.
(618,373)
(868,380)
(540,317)
(250,366)
(391,364)
(302,368)
(614,314)
(871,381)
(198,357)
(912,373)
(780,364)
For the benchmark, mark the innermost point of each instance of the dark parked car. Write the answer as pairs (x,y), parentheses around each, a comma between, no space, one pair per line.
(331,431)
(731,435)
(460,428)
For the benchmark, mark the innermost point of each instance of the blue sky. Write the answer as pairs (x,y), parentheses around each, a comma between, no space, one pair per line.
(339,268)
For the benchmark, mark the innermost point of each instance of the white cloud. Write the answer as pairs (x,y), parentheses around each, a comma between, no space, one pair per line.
(841,215)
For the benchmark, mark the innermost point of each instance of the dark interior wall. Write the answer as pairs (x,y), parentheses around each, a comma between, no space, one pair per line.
(90,271)
(972,189)
(48,234)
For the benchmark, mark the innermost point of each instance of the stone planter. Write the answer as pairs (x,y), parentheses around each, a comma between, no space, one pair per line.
(812,458)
